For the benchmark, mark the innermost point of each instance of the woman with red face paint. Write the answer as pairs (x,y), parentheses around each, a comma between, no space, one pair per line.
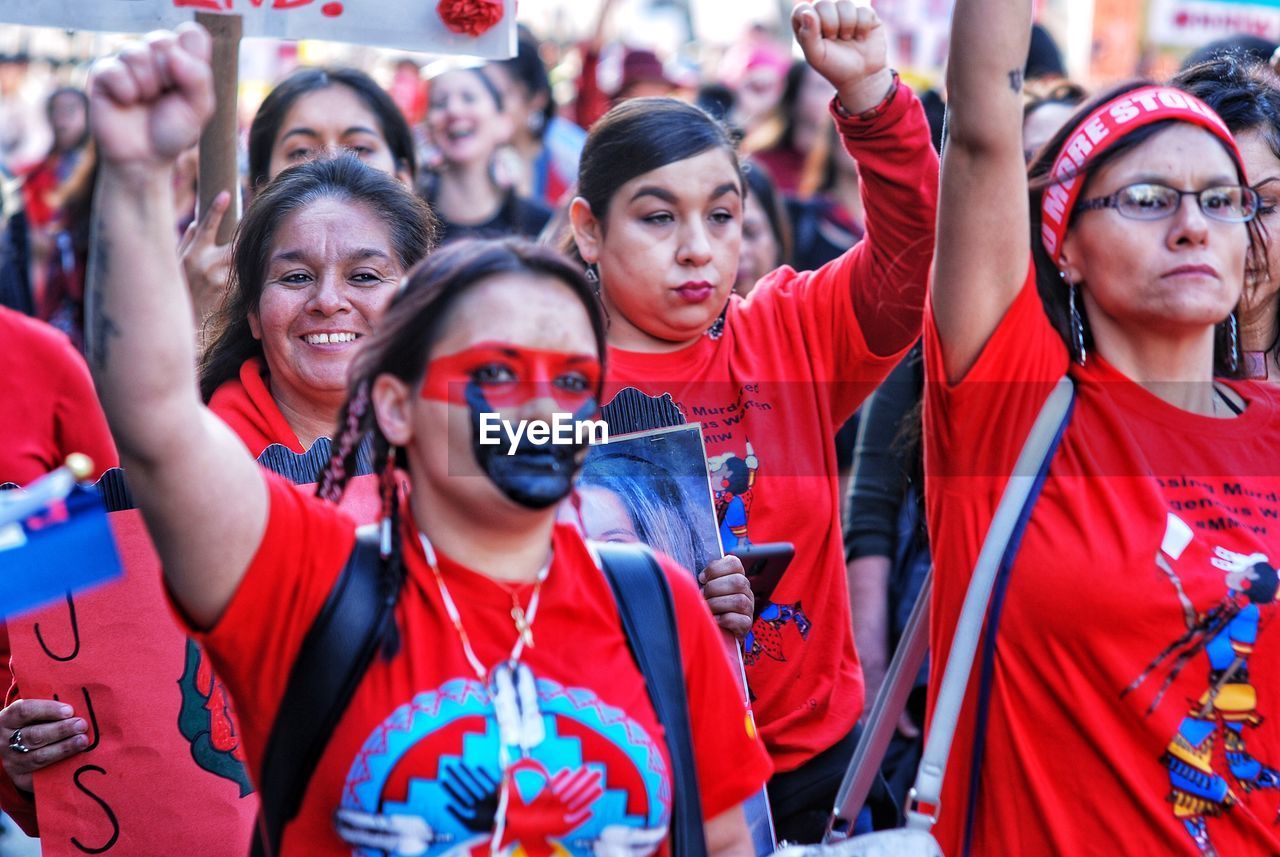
(773,376)
(1132,673)
(480,725)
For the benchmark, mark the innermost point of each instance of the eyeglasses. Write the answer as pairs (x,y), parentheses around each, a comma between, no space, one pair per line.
(1149,201)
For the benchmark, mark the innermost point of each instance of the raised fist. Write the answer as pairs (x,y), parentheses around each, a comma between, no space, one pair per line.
(149,102)
(844,43)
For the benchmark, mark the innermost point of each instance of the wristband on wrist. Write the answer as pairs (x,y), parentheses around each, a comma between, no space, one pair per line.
(873,112)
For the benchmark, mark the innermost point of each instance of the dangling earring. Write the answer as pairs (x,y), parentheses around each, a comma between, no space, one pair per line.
(716,330)
(592,276)
(387,489)
(1233,344)
(1077,320)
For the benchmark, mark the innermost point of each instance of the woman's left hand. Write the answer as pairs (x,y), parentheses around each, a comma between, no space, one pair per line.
(728,594)
(847,45)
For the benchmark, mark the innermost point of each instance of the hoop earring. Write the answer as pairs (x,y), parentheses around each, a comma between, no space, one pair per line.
(1078,352)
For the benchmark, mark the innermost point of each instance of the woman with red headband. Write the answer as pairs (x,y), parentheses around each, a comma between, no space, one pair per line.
(1134,681)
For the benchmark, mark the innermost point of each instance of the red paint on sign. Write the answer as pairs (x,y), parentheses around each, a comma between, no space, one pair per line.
(331,10)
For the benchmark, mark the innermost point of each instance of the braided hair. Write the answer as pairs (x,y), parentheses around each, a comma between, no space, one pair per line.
(401,347)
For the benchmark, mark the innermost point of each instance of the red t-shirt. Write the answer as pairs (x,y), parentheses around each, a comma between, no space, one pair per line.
(790,367)
(50,407)
(1144,501)
(419,738)
(50,411)
(247,406)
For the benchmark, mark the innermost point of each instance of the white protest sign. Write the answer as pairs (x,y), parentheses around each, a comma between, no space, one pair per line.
(412,25)
(1192,23)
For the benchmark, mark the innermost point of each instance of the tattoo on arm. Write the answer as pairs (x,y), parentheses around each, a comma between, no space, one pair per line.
(100,328)
(1015,80)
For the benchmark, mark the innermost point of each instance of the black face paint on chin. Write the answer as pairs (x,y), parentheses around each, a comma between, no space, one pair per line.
(535,476)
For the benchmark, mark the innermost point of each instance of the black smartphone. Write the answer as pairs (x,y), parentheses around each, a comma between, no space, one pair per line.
(765,564)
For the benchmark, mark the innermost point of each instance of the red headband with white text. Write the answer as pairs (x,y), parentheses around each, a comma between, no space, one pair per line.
(1104,128)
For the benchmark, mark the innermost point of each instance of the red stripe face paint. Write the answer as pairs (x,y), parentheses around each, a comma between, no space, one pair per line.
(509,376)
(498,376)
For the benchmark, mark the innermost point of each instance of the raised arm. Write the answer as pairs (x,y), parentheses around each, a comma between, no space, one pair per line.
(203,498)
(983,215)
(896,163)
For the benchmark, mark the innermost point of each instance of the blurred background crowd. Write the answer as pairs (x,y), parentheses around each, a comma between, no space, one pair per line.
(498,153)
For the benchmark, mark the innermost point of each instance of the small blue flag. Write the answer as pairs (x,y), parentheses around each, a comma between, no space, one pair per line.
(54,539)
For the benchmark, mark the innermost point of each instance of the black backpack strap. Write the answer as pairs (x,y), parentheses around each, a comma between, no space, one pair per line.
(649,623)
(335,654)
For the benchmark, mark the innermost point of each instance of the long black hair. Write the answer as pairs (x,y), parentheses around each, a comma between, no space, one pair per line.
(274,108)
(407,218)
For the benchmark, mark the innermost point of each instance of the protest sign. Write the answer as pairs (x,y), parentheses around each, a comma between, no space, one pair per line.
(410,25)
(1192,23)
(164,773)
(652,487)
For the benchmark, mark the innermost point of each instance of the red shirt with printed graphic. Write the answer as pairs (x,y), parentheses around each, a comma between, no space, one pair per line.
(793,362)
(247,406)
(1154,526)
(420,740)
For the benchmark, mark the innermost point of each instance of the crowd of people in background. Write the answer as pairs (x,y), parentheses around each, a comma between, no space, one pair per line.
(481,235)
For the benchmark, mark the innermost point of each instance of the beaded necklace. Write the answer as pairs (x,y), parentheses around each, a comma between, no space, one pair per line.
(510,684)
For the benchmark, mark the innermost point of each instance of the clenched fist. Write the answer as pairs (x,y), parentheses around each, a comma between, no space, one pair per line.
(847,45)
(149,102)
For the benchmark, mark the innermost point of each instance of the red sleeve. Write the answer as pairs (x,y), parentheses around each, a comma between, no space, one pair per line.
(732,762)
(809,316)
(1011,378)
(898,169)
(257,638)
(592,103)
(79,423)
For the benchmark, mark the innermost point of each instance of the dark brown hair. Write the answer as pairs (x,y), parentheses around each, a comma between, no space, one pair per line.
(407,218)
(641,135)
(402,345)
(274,108)
(1053,290)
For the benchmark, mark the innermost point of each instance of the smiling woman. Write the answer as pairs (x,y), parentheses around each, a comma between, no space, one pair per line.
(318,257)
(468,121)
